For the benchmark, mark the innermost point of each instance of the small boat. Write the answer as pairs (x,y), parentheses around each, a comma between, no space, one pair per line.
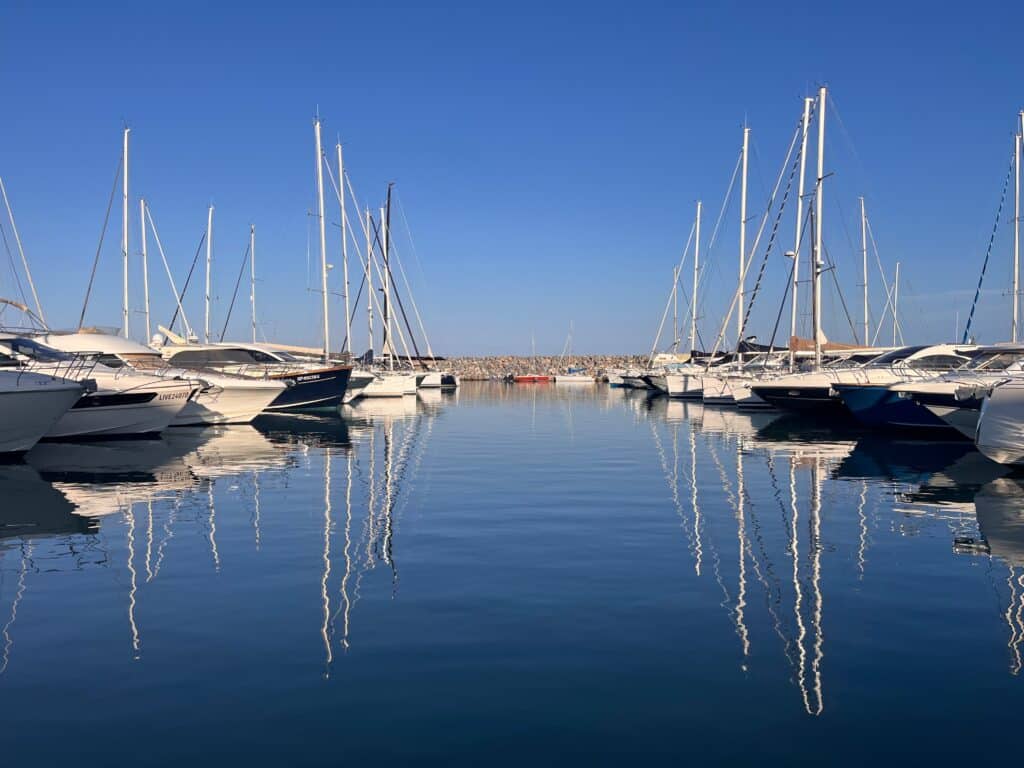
(532,378)
(30,405)
(1000,434)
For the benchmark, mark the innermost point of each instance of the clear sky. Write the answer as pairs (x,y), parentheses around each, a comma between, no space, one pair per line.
(548,156)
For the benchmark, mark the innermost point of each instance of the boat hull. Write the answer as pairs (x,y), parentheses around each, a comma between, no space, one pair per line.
(314,390)
(235,404)
(880,407)
(29,412)
(683,385)
(103,415)
(1000,434)
(809,400)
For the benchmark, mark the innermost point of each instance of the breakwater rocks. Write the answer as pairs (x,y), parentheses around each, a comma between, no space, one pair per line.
(498,366)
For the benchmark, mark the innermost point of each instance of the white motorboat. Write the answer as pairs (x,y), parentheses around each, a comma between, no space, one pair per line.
(222,398)
(30,405)
(437,380)
(117,403)
(310,385)
(386,384)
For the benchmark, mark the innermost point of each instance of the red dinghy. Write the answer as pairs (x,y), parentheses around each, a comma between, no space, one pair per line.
(532,378)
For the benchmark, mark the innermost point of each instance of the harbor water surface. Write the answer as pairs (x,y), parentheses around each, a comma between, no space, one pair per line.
(511,575)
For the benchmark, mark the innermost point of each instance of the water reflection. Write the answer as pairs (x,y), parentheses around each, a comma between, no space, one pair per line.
(783,526)
(802,471)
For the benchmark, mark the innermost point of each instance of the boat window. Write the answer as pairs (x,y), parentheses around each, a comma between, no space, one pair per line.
(220,356)
(897,355)
(938,362)
(111,361)
(997,362)
(145,362)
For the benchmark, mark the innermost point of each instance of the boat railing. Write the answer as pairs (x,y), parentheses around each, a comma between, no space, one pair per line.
(71,366)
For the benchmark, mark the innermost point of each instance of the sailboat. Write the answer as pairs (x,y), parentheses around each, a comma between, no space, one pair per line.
(572,375)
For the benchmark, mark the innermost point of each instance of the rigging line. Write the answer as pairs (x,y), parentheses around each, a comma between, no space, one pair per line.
(839,291)
(14,269)
(397,296)
(988,251)
(782,307)
(746,266)
(668,302)
(408,232)
(775,228)
(167,269)
(238,282)
(725,202)
(21,251)
(103,233)
(878,259)
(188,279)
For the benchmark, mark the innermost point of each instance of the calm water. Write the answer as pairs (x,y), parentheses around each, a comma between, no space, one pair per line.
(506,576)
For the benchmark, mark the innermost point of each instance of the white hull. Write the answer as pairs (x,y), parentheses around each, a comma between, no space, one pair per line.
(389,385)
(683,385)
(230,401)
(1000,433)
(29,407)
(129,420)
(574,378)
(715,390)
(430,380)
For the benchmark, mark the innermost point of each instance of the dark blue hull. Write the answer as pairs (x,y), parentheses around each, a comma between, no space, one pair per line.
(317,390)
(879,407)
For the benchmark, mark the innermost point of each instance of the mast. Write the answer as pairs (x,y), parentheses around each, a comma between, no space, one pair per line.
(369,276)
(344,252)
(864,262)
(743,235)
(209,261)
(145,268)
(693,297)
(252,277)
(323,237)
(675,310)
(804,124)
(895,302)
(386,289)
(818,206)
(124,235)
(1014,324)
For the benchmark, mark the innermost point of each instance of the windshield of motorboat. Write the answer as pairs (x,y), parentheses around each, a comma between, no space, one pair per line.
(995,361)
(35,351)
(897,355)
(286,357)
(217,356)
(851,361)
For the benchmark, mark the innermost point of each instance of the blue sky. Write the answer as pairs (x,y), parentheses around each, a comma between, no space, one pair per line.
(548,155)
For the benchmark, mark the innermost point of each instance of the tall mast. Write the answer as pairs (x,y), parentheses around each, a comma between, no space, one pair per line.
(369,276)
(864,264)
(323,237)
(124,235)
(145,268)
(1014,325)
(895,303)
(675,310)
(818,206)
(252,278)
(743,234)
(693,296)
(209,261)
(344,252)
(385,220)
(805,123)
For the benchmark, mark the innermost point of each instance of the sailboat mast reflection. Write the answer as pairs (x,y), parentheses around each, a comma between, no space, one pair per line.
(26,557)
